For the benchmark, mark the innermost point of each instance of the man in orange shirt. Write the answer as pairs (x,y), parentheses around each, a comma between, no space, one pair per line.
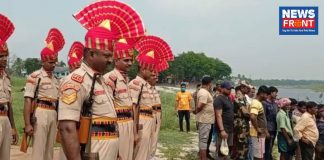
(183,106)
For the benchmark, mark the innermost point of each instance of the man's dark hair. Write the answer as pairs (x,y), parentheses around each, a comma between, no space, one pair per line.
(206,80)
(214,89)
(310,104)
(272,89)
(301,104)
(320,106)
(263,89)
(238,88)
(293,101)
(86,51)
(198,85)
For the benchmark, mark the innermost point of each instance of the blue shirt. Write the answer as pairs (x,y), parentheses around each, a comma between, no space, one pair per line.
(271,109)
(320,127)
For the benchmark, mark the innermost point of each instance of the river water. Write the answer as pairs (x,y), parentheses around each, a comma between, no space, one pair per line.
(300,94)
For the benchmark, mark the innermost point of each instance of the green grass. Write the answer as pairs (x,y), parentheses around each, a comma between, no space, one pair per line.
(18,102)
(171,139)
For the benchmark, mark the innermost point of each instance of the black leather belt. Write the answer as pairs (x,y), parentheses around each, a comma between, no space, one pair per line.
(112,128)
(124,115)
(49,103)
(148,112)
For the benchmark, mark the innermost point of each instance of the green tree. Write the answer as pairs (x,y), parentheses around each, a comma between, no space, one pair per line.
(17,67)
(192,66)
(32,64)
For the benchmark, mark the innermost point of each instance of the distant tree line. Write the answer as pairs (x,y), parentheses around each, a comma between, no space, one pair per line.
(19,67)
(188,66)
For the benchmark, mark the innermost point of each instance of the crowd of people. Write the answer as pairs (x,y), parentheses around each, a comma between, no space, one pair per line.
(244,124)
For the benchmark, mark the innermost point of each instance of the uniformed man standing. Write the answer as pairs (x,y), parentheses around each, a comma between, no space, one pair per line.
(103,31)
(75,56)
(42,102)
(7,123)
(75,90)
(117,80)
(152,51)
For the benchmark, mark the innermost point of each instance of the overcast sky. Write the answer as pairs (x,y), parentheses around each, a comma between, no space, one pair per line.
(242,33)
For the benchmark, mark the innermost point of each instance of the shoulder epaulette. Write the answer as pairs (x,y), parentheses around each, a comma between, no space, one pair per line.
(77,77)
(136,82)
(35,74)
(134,87)
(30,80)
(112,77)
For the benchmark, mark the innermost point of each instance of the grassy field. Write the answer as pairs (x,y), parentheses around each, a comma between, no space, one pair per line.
(170,137)
(18,102)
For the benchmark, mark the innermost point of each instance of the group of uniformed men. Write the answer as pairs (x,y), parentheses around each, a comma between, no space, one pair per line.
(121,117)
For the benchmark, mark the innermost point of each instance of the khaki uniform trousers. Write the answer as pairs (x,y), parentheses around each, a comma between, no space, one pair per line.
(107,149)
(144,146)
(44,134)
(126,139)
(5,137)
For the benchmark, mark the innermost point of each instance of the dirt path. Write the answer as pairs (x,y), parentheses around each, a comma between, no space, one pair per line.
(192,147)
(17,155)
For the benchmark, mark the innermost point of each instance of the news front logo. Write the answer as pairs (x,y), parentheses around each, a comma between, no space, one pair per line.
(298,20)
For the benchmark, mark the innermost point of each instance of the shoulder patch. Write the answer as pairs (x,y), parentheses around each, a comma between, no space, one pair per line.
(67,86)
(30,80)
(134,87)
(35,74)
(136,82)
(112,77)
(77,78)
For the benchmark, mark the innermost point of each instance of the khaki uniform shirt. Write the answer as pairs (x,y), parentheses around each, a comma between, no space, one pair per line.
(147,99)
(48,87)
(5,90)
(75,90)
(119,86)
